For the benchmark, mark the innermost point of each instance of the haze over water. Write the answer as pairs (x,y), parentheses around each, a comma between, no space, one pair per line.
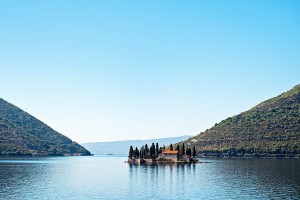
(110,178)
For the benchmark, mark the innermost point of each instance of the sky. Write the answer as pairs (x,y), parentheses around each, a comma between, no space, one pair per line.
(120,70)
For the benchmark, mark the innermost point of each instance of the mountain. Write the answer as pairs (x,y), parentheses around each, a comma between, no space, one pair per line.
(270,129)
(23,134)
(122,147)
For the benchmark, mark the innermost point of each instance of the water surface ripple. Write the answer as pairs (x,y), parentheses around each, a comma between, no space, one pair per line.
(101,177)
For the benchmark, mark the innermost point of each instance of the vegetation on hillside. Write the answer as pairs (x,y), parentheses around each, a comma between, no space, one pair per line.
(23,134)
(270,129)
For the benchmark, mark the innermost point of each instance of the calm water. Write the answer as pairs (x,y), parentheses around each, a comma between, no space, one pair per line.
(111,178)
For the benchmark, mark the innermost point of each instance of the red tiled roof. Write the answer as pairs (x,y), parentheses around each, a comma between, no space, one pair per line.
(169,152)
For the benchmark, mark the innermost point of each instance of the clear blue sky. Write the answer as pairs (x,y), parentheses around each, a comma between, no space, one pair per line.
(114,70)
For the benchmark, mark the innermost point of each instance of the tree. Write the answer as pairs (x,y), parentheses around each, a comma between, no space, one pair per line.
(194,151)
(182,151)
(171,147)
(137,152)
(142,152)
(130,152)
(152,151)
(133,154)
(189,151)
(146,151)
(156,150)
(177,147)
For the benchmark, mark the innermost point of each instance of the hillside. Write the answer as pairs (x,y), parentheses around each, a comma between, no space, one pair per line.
(23,134)
(270,129)
(122,147)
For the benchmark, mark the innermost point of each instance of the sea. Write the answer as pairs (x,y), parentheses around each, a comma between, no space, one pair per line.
(109,177)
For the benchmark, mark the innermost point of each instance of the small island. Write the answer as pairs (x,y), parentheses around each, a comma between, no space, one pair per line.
(156,154)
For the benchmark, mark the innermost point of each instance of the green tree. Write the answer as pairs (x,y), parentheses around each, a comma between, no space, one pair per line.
(182,150)
(137,152)
(177,147)
(189,151)
(142,152)
(194,151)
(146,151)
(156,150)
(152,151)
(130,152)
(171,147)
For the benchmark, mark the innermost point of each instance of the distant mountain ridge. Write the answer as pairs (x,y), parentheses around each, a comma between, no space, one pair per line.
(270,129)
(23,134)
(122,147)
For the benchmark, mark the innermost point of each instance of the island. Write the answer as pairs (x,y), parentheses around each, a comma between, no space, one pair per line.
(156,154)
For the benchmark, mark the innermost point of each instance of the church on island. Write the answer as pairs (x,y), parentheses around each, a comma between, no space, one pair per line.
(170,154)
(156,154)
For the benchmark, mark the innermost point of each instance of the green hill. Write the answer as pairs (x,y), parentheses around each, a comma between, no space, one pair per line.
(270,129)
(23,134)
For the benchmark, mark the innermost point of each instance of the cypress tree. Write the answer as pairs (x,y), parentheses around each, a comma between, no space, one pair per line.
(137,152)
(194,151)
(130,152)
(152,151)
(133,155)
(171,147)
(150,154)
(146,151)
(189,151)
(182,152)
(142,151)
(156,150)
(177,147)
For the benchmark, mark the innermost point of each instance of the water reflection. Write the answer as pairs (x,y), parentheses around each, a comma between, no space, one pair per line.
(221,179)
(14,176)
(161,180)
(263,178)
(111,178)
